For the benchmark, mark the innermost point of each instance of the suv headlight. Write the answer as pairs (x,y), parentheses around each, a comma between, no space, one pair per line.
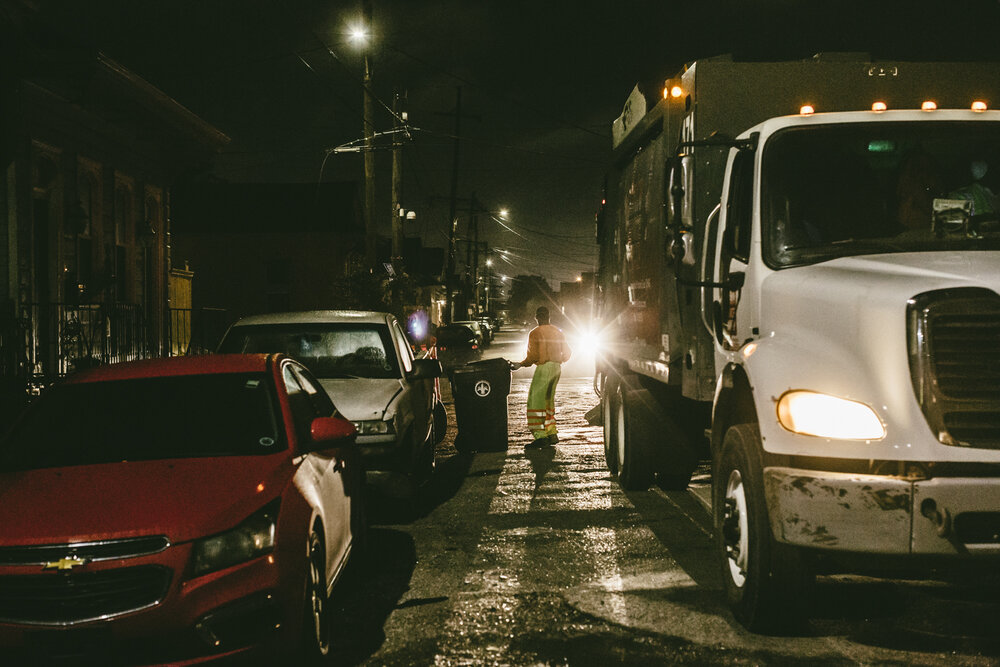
(252,538)
(825,416)
(374,427)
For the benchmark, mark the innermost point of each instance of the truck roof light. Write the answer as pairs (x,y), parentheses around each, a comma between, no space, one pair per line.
(806,109)
(672,90)
(928,105)
(879,106)
(979,105)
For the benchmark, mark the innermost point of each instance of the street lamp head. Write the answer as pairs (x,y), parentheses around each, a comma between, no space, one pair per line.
(504,213)
(489,262)
(359,34)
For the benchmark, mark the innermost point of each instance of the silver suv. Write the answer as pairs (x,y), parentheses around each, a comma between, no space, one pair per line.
(364,361)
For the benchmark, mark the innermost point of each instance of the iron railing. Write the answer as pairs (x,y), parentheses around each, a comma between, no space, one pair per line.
(51,340)
(195,330)
(57,338)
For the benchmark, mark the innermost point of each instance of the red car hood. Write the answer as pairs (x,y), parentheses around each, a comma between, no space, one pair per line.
(183,499)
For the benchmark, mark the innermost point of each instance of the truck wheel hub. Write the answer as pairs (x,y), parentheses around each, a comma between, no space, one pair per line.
(735,528)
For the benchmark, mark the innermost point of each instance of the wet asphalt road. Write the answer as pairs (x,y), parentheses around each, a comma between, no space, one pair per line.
(539,558)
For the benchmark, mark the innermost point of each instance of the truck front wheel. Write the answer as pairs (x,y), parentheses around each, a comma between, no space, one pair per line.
(765,581)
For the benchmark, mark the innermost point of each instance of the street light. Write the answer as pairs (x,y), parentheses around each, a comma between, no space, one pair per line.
(359,34)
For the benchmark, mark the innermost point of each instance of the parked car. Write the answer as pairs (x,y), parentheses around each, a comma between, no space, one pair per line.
(176,510)
(489,331)
(481,336)
(458,344)
(365,362)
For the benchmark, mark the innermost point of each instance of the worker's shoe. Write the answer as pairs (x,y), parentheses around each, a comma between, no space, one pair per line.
(553,439)
(538,442)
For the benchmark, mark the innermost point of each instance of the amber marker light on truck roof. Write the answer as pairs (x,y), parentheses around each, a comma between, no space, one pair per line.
(673,91)
(879,106)
(979,105)
(825,416)
(806,109)
(928,105)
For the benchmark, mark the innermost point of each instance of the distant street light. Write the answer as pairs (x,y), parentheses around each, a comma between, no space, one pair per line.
(504,213)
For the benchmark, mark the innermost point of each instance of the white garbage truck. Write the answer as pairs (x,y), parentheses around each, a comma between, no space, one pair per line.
(799,282)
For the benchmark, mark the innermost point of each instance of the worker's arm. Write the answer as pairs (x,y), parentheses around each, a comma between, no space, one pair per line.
(531,357)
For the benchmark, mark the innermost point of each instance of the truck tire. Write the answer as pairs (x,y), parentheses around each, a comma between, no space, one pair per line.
(765,581)
(635,421)
(609,411)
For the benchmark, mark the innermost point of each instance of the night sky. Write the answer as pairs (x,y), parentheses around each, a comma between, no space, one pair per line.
(541,82)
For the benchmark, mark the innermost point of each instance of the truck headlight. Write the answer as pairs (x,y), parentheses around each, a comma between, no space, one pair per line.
(374,427)
(825,416)
(253,537)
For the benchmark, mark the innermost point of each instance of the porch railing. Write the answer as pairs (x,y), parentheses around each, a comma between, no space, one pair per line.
(51,340)
(57,338)
(195,330)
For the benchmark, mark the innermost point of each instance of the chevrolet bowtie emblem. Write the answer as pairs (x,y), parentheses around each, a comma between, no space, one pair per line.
(66,563)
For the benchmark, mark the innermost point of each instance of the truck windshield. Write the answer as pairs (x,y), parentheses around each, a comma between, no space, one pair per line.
(870,188)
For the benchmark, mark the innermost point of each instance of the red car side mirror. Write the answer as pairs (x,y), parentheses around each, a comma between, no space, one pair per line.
(332,430)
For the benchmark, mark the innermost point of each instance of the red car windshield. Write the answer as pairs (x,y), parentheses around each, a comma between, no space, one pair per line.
(143,420)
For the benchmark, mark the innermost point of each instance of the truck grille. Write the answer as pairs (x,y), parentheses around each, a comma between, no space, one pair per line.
(62,599)
(954,347)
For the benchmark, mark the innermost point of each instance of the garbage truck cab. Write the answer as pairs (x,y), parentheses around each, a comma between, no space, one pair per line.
(813,304)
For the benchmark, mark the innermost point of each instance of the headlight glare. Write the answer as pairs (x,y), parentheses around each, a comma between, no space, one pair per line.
(252,538)
(825,416)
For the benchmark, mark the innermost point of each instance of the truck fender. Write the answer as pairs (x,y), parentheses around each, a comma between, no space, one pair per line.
(733,403)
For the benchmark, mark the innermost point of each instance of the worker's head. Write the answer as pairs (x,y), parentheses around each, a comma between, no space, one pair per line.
(542,315)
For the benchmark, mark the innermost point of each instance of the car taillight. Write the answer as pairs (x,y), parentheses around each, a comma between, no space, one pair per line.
(442,347)
(475,347)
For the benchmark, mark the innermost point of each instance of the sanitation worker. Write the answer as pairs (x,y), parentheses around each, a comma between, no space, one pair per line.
(547,350)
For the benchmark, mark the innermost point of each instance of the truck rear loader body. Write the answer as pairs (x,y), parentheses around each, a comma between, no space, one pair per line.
(800,280)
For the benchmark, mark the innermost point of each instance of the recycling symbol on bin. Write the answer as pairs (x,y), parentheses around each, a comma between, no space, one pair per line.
(482,389)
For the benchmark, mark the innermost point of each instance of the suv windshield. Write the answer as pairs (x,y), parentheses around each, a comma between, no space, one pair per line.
(142,420)
(867,188)
(328,350)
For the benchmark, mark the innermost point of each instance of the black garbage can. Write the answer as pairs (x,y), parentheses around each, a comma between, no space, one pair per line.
(480,390)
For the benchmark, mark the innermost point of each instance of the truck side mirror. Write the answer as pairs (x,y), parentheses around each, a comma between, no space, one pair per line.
(676,191)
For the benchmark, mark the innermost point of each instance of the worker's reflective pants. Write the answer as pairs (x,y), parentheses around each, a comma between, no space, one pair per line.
(541,399)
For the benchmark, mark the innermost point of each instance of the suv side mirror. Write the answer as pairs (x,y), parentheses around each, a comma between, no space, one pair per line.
(425,369)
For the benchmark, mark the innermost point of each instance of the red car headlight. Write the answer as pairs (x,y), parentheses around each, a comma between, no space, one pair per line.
(252,538)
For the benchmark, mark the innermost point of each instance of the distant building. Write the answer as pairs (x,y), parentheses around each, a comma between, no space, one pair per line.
(269,247)
(90,152)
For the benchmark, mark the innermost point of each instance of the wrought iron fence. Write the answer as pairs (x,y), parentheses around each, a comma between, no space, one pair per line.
(195,330)
(57,338)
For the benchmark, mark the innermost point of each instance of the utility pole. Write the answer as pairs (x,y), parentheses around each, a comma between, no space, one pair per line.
(368,129)
(452,211)
(474,223)
(398,214)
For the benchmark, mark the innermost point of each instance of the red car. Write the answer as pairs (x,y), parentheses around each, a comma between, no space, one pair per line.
(176,511)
